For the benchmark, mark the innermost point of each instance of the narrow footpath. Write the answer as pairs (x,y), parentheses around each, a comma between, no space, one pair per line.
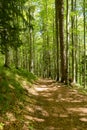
(58,107)
(52,106)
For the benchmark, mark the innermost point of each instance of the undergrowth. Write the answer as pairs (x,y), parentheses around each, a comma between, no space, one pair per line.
(11,88)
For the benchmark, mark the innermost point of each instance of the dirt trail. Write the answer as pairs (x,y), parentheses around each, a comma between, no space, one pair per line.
(58,107)
(52,106)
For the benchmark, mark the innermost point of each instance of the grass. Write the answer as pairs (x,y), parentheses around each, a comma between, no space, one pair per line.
(1,126)
(13,96)
(11,87)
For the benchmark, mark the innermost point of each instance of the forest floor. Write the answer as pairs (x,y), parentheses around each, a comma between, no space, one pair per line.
(47,105)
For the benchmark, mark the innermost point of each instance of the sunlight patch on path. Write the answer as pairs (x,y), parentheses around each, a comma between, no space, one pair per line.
(55,107)
(34,118)
(39,89)
(83,119)
(10,116)
(80,109)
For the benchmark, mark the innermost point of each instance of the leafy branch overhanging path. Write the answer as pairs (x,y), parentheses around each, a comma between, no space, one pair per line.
(52,106)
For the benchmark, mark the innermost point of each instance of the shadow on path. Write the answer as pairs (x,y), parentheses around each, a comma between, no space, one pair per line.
(51,106)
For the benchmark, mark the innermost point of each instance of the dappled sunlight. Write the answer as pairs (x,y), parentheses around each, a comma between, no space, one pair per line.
(46,94)
(47,105)
(20,79)
(17,77)
(25,86)
(39,109)
(33,92)
(58,86)
(83,119)
(45,81)
(76,101)
(31,118)
(28,117)
(69,99)
(46,109)
(10,117)
(55,100)
(50,99)
(38,119)
(41,89)
(42,86)
(29,88)
(24,83)
(78,109)
(52,128)
(29,109)
(63,115)
(73,92)
(11,86)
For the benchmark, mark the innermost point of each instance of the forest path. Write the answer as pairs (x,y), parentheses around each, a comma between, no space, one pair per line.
(48,105)
(57,107)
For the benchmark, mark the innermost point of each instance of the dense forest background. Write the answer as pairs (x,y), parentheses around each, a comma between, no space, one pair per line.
(45,37)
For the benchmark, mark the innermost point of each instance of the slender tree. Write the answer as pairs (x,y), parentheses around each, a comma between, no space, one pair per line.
(84,14)
(61,38)
(67,42)
(57,39)
(73,43)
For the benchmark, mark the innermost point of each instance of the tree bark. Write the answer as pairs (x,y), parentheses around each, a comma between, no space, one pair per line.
(61,38)
(84,14)
(67,42)
(57,40)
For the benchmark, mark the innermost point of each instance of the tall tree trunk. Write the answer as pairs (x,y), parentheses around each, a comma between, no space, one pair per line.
(61,36)
(30,44)
(84,43)
(57,40)
(67,42)
(54,73)
(76,46)
(47,41)
(73,44)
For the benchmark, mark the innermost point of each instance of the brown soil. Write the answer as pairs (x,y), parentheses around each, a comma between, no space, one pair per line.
(48,106)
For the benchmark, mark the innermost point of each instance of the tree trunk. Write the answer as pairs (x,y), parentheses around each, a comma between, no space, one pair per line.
(84,44)
(67,42)
(73,44)
(57,40)
(61,36)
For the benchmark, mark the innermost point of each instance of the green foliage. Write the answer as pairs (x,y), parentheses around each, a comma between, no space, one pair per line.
(31,127)
(11,87)
(1,125)
(11,23)
(28,76)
